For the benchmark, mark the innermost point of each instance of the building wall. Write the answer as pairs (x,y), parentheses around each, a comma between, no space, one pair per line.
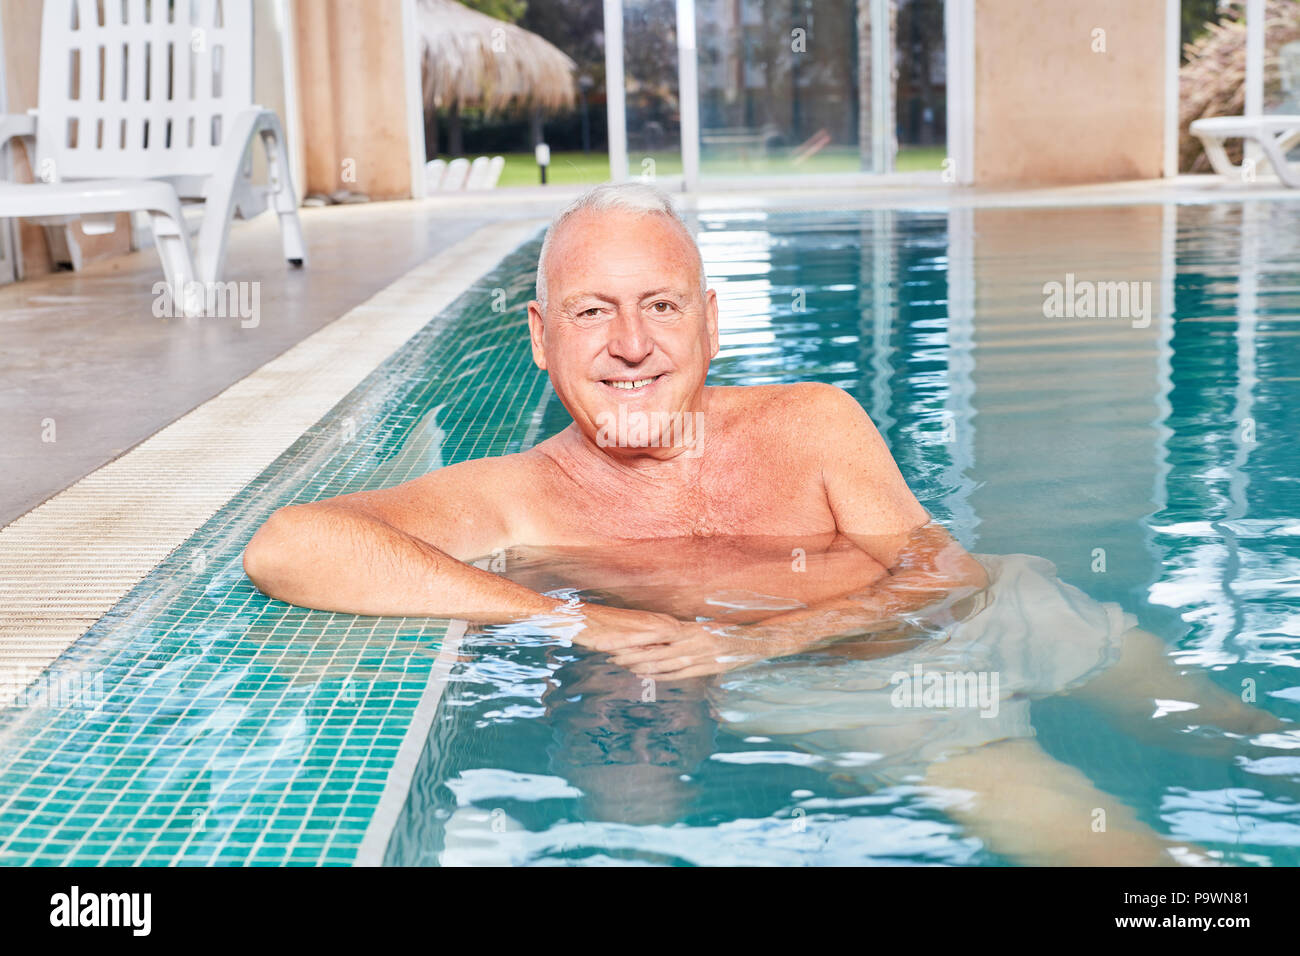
(352,83)
(1048,109)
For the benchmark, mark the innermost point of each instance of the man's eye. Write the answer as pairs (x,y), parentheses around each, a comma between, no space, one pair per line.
(666,305)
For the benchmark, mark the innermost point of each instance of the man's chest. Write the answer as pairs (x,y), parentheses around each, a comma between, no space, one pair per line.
(744,501)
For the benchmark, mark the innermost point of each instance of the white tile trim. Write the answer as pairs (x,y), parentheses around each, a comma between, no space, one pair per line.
(65,563)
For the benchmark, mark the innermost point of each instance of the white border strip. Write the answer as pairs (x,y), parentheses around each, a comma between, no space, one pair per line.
(688,86)
(67,562)
(398,785)
(1173,54)
(615,91)
(959,35)
(412,56)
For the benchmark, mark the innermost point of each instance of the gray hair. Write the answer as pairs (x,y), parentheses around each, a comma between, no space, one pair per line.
(636,197)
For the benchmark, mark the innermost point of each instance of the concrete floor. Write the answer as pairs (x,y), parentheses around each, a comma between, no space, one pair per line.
(85,351)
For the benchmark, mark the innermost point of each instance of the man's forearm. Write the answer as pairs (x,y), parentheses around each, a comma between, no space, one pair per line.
(933,574)
(340,559)
(889,606)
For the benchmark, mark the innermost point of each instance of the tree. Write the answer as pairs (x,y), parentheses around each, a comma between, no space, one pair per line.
(512,11)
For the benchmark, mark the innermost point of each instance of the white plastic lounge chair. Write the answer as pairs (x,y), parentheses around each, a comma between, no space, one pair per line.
(489,173)
(457,173)
(484,173)
(137,114)
(477,171)
(1275,134)
(434,170)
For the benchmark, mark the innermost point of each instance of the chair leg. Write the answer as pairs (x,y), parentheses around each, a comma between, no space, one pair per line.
(1276,154)
(1218,157)
(178,266)
(229,188)
(282,198)
(217,210)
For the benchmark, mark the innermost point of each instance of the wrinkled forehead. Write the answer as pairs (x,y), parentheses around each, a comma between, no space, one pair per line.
(619,242)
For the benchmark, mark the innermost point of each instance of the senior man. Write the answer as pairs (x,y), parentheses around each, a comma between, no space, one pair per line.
(626,327)
(736,524)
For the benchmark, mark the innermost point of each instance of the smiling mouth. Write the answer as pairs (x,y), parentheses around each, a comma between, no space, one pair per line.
(632,384)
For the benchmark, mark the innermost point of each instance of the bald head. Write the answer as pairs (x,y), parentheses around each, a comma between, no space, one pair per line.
(631,198)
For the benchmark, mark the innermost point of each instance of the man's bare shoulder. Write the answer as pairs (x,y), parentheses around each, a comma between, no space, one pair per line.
(795,411)
(477,476)
(466,509)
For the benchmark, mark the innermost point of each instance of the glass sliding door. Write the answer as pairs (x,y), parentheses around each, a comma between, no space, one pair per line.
(651,89)
(782,88)
(800,88)
(920,94)
(1282,62)
(778,89)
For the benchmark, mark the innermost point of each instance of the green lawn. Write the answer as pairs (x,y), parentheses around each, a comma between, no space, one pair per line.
(578,168)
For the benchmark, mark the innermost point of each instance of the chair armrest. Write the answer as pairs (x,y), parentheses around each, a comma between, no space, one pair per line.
(14,125)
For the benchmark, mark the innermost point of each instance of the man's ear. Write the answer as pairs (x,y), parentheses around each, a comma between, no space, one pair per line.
(535,334)
(711,318)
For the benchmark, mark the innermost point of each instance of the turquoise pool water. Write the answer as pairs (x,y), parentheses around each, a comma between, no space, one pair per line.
(1150,457)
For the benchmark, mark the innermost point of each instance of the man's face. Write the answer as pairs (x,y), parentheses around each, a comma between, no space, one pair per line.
(626,328)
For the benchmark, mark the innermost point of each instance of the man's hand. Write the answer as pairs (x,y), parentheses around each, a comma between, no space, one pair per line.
(659,645)
(693,650)
(931,574)
(698,650)
(614,629)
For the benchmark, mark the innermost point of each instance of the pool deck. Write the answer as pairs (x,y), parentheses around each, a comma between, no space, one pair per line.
(194,409)
(65,563)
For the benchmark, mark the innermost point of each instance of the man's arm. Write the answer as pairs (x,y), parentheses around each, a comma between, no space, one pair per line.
(872,506)
(405,551)
(399,551)
(931,572)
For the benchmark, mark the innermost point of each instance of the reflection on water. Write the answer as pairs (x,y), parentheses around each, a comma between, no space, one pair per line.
(1152,466)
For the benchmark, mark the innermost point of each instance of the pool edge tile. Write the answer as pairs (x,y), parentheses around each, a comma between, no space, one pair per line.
(71,559)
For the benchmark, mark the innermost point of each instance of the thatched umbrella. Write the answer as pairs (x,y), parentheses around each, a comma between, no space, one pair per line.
(470,59)
(1213,80)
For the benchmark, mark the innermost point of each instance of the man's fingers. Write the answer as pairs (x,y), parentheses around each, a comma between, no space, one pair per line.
(615,642)
(653,652)
(662,666)
(697,670)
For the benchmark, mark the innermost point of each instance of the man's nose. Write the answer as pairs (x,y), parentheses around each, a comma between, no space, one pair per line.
(629,337)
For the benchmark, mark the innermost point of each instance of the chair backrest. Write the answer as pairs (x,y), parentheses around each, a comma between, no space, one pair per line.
(478,168)
(434,170)
(494,172)
(140,88)
(457,173)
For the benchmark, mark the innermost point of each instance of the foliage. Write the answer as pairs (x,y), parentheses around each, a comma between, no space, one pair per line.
(509,10)
(1213,80)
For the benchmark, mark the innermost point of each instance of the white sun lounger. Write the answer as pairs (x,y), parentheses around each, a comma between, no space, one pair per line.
(434,170)
(484,173)
(457,172)
(137,114)
(1275,134)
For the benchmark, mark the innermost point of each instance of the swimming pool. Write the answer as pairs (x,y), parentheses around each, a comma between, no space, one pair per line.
(1147,454)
